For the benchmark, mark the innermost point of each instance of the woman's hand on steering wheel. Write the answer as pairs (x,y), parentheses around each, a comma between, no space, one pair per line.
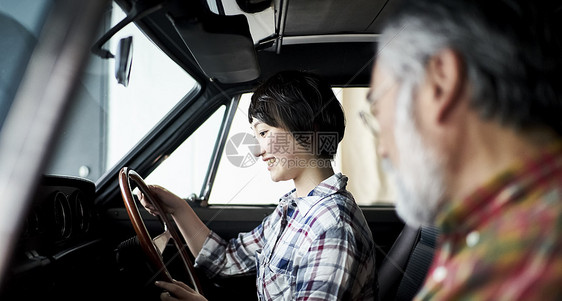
(178,291)
(170,202)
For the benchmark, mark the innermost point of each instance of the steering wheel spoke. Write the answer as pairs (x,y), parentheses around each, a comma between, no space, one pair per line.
(161,241)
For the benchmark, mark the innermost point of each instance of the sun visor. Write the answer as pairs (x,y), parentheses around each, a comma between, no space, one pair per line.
(222,46)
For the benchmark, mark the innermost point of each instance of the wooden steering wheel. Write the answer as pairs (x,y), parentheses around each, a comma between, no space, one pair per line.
(154,247)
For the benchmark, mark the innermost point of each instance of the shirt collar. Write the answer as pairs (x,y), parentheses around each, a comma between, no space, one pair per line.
(331,185)
(488,200)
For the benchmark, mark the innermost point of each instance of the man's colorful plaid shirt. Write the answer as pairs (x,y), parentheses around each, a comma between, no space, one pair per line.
(504,242)
(317,247)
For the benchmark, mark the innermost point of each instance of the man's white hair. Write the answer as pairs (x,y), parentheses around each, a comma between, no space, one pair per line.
(419,174)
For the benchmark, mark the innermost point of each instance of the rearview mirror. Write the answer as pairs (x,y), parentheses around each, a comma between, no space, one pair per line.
(124,60)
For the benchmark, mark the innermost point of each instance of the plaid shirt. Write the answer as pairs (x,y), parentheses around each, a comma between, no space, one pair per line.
(317,247)
(504,242)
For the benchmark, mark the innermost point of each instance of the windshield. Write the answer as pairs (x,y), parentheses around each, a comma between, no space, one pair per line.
(20,24)
(107,119)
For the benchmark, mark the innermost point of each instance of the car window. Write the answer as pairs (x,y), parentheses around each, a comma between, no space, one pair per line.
(183,172)
(244,179)
(108,119)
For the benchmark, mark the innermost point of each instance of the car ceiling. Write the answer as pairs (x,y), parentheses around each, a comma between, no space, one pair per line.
(234,42)
(318,17)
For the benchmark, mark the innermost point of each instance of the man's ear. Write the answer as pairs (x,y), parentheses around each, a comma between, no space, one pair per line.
(446,73)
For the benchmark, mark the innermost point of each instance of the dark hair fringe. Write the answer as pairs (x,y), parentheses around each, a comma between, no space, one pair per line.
(299,102)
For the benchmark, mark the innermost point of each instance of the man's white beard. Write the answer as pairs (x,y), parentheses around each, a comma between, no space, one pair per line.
(419,177)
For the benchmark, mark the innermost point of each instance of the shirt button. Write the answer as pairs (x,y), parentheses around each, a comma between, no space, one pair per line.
(472,239)
(439,274)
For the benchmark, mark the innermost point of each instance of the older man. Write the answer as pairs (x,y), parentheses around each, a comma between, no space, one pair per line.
(468,96)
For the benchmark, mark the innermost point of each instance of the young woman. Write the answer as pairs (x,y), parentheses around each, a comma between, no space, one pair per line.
(316,245)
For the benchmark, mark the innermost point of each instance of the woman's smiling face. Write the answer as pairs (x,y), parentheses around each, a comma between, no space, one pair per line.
(285,158)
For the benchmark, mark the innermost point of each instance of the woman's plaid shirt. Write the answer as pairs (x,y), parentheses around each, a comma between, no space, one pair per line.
(317,247)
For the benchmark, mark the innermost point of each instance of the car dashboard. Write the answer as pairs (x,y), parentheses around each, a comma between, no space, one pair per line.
(61,214)
(58,251)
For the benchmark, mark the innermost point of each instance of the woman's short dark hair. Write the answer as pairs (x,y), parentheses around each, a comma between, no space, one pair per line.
(303,104)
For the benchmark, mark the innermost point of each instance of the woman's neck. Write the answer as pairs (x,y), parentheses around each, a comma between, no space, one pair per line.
(310,178)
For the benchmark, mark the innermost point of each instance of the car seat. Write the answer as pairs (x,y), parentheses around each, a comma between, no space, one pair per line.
(404,268)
